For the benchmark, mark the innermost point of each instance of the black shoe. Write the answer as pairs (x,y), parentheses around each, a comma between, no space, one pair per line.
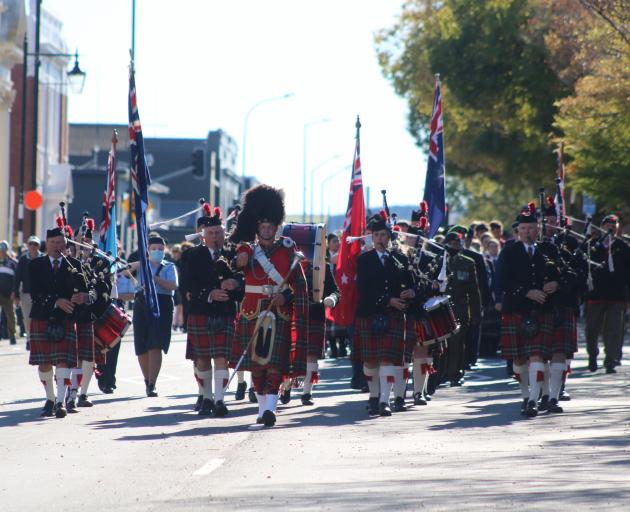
(269,419)
(399,404)
(418,399)
(384,410)
(220,410)
(523,406)
(101,385)
(108,390)
(544,402)
(13,342)
(28,346)
(251,394)
(307,399)
(151,392)
(84,402)
(343,352)
(592,364)
(259,420)
(531,411)
(198,403)
(553,406)
(240,391)
(49,409)
(610,369)
(564,395)
(207,407)
(71,407)
(456,383)
(285,397)
(60,410)
(372,406)
(428,397)
(432,384)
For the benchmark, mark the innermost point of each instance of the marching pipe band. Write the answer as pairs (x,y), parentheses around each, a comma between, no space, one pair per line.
(260,293)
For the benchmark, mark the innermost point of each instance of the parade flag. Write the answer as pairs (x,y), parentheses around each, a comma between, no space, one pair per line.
(561,212)
(434,187)
(354,225)
(107,238)
(141,179)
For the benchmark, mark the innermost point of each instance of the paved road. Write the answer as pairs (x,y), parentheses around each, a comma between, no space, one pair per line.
(469,449)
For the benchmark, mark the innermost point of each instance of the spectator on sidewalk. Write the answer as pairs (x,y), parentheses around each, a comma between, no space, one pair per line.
(7,276)
(21,283)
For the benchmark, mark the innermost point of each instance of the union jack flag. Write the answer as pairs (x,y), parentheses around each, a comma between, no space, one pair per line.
(141,179)
(107,238)
(434,188)
(561,212)
(353,225)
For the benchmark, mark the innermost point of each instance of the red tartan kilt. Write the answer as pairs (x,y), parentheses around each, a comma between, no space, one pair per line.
(201,344)
(412,337)
(514,345)
(86,349)
(316,338)
(47,352)
(282,348)
(376,348)
(565,336)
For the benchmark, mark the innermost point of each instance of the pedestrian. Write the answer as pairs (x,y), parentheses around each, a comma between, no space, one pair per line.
(178,313)
(8,267)
(491,323)
(21,285)
(152,336)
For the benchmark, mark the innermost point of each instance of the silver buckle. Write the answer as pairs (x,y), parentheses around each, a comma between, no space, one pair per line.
(267,289)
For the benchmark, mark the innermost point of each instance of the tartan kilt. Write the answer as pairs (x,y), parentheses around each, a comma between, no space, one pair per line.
(413,336)
(390,346)
(514,345)
(565,336)
(47,352)
(280,356)
(201,344)
(86,349)
(316,338)
(491,323)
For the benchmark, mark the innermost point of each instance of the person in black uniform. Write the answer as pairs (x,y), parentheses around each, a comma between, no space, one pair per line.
(214,289)
(58,287)
(385,288)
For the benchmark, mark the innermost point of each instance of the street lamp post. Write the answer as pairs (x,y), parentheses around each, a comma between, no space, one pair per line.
(252,108)
(304,163)
(317,167)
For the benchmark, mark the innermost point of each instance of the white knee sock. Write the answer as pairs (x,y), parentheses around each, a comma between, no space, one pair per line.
(371,376)
(75,381)
(205,379)
(387,377)
(240,376)
(400,383)
(220,381)
(521,373)
(62,376)
(557,372)
(262,404)
(286,385)
(199,381)
(272,402)
(87,367)
(421,374)
(536,378)
(545,384)
(47,381)
(311,376)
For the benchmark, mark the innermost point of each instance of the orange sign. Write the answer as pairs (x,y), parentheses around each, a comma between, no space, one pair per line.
(33,200)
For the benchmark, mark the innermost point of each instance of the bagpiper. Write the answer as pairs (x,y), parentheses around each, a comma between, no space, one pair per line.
(274,311)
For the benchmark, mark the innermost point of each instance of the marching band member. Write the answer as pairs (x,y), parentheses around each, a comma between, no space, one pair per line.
(385,288)
(528,279)
(58,286)
(275,301)
(317,328)
(214,290)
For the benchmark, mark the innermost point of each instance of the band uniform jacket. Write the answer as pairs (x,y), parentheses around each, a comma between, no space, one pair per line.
(201,274)
(462,286)
(378,282)
(47,286)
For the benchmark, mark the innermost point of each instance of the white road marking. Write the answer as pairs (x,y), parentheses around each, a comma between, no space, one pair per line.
(209,467)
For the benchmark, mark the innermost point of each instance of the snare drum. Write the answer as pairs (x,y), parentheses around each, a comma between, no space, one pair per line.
(110,327)
(311,241)
(439,322)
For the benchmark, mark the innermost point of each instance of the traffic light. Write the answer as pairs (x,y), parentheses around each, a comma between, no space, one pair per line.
(198,162)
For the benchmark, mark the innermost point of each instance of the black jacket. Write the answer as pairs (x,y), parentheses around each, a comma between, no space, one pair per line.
(377,283)
(47,286)
(482,276)
(610,286)
(201,275)
(316,310)
(519,274)
(22,276)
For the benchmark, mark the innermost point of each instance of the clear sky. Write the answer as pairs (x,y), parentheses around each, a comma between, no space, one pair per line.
(202,64)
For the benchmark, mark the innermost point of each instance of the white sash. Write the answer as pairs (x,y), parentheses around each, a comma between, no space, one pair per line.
(270,270)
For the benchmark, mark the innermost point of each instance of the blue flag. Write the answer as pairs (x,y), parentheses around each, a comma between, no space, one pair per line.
(434,188)
(108,240)
(141,179)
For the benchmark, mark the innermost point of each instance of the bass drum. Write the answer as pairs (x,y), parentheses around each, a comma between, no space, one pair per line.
(311,241)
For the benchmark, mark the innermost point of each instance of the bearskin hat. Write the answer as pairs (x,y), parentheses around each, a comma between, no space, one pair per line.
(262,203)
